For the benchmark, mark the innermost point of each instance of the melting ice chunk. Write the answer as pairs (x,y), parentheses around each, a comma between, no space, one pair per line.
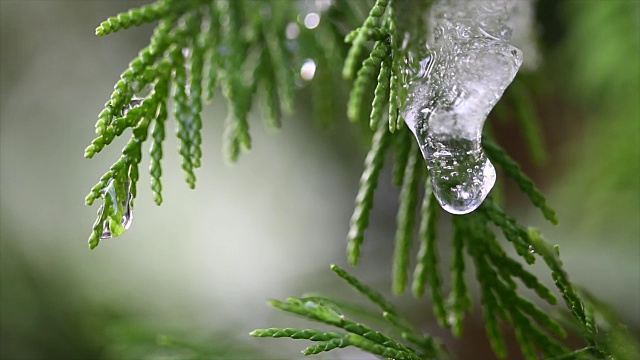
(452,85)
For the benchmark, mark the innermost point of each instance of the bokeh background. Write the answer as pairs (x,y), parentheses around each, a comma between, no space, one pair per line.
(199,268)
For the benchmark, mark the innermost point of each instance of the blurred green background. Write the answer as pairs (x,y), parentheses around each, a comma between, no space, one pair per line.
(199,268)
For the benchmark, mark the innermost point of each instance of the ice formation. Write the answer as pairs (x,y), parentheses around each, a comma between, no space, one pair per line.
(452,84)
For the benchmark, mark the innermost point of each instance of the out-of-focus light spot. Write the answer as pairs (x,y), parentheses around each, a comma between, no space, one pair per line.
(312,20)
(323,5)
(292,31)
(308,69)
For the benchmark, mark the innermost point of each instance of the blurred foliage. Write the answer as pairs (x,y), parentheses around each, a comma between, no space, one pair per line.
(605,82)
(40,317)
(43,317)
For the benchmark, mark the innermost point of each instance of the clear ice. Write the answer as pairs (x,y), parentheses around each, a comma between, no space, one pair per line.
(452,83)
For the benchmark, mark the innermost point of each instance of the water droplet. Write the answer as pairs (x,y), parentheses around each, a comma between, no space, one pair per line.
(452,88)
(127,216)
(310,304)
(135,102)
(308,70)
(140,89)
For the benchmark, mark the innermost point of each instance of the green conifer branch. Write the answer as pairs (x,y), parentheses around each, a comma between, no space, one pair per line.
(429,346)
(358,40)
(405,221)
(366,75)
(199,52)
(364,199)
(515,309)
(268,95)
(374,296)
(390,314)
(426,270)
(361,342)
(550,255)
(459,299)
(155,151)
(513,232)
(182,112)
(138,16)
(214,62)
(381,94)
(395,122)
(512,170)
(307,334)
(402,143)
(283,75)
(342,307)
(325,315)
(195,97)
(358,335)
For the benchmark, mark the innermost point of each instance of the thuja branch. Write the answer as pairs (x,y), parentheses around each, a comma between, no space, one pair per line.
(197,47)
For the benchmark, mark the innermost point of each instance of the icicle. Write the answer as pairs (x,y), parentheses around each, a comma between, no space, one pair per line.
(452,85)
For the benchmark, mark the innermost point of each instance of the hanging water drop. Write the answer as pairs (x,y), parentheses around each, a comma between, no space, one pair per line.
(141,90)
(127,216)
(453,82)
(106,231)
(135,102)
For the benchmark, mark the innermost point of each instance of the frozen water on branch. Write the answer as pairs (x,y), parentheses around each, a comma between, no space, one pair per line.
(452,84)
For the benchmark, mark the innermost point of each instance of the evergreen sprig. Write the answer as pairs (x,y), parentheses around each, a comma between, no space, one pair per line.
(502,302)
(405,221)
(512,169)
(459,299)
(358,334)
(197,47)
(364,199)
(139,16)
